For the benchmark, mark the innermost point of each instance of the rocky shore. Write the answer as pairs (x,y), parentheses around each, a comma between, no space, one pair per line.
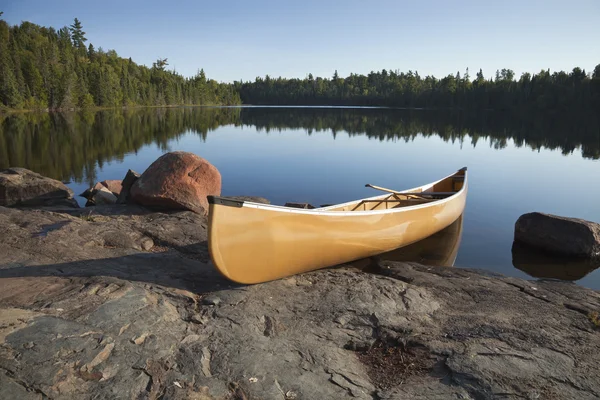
(121,301)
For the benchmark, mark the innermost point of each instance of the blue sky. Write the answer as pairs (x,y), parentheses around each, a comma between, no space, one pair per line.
(236,39)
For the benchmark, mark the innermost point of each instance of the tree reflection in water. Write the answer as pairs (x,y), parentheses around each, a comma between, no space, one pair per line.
(69,146)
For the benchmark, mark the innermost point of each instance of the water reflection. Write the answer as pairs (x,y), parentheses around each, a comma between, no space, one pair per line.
(72,145)
(539,264)
(69,146)
(440,248)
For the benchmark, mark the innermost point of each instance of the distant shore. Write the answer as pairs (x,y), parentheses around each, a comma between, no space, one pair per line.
(98,108)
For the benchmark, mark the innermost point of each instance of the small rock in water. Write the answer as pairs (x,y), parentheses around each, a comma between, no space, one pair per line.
(87,193)
(113,185)
(126,184)
(104,196)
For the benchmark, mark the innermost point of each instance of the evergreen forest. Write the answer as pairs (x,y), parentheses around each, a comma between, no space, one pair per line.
(45,68)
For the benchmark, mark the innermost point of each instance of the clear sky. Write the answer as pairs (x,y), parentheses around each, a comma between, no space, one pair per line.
(243,39)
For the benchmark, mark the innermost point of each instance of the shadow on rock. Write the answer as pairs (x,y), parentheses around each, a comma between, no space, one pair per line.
(127,243)
(172,268)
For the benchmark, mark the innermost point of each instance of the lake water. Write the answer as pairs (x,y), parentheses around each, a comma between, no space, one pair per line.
(327,155)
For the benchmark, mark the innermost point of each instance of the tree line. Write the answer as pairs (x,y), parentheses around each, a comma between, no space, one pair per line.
(45,68)
(544,91)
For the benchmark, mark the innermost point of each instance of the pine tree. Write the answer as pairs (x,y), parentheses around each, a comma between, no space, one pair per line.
(596,73)
(77,34)
(91,51)
(160,64)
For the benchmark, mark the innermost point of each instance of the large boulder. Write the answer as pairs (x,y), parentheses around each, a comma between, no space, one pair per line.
(24,188)
(178,180)
(560,235)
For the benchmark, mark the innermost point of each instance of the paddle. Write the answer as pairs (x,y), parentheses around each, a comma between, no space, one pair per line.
(381,188)
(421,194)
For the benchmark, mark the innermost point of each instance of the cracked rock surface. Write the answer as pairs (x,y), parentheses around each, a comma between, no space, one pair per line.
(124,303)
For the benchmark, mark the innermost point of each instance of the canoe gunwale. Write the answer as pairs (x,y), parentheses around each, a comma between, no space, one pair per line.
(217,200)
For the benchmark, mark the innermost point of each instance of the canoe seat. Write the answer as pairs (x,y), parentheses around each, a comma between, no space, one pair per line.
(457,182)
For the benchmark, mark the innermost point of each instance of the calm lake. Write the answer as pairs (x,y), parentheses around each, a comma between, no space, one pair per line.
(327,155)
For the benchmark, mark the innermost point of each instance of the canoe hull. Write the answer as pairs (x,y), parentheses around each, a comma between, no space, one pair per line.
(440,249)
(255,243)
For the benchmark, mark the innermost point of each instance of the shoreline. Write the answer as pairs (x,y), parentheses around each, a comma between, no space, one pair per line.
(99,108)
(7,111)
(120,299)
(125,301)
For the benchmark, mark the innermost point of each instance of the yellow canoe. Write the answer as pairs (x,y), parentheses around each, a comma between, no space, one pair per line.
(252,242)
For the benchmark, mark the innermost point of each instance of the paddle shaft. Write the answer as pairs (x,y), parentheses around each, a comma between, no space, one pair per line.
(410,194)
(381,188)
